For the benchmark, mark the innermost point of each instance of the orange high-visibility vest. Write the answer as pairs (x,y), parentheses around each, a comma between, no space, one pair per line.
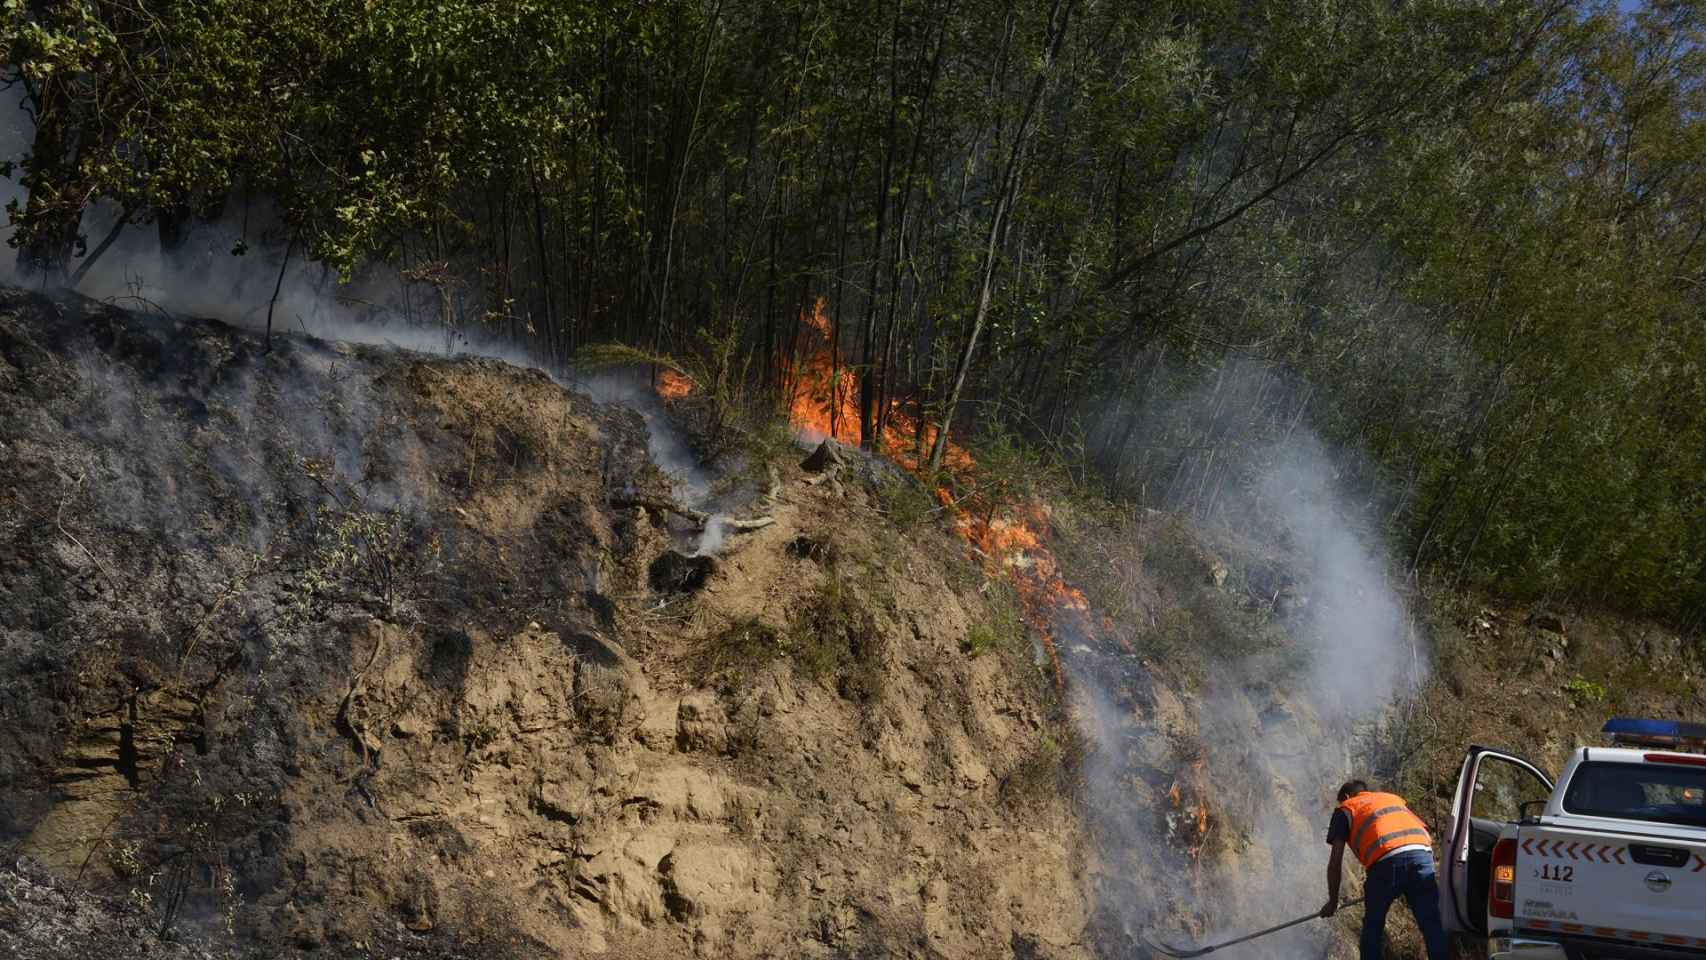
(1380,824)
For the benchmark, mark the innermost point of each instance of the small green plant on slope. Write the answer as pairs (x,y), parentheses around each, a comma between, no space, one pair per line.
(904,500)
(731,418)
(384,556)
(836,635)
(1000,628)
(1585,692)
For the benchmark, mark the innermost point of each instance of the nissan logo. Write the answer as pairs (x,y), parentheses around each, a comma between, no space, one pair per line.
(1658,882)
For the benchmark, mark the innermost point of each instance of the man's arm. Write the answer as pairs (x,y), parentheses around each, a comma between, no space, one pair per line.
(1335,869)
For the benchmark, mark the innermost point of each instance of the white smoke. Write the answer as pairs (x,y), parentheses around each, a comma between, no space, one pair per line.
(1355,626)
(239,269)
(1277,729)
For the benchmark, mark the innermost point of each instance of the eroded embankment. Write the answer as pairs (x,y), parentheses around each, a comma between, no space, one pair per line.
(346,648)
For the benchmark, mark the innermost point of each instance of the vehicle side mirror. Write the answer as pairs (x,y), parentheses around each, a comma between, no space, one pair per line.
(1530,811)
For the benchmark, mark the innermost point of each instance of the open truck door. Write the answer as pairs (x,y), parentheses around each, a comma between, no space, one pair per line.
(1492,788)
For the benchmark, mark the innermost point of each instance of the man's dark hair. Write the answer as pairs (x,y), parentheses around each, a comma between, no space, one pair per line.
(1351,789)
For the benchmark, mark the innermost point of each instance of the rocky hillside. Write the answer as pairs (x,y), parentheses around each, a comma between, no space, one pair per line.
(349,649)
(354,651)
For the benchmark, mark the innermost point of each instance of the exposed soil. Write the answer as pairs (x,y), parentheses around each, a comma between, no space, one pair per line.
(344,649)
(351,650)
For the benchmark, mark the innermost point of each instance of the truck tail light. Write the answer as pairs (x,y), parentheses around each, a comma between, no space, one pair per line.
(1691,759)
(1501,893)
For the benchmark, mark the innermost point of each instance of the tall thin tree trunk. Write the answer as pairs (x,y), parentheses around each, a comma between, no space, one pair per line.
(681,174)
(1059,18)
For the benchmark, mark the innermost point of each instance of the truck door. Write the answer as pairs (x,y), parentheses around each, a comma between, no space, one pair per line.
(1491,790)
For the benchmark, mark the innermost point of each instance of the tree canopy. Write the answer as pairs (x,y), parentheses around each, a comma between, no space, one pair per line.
(1461,237)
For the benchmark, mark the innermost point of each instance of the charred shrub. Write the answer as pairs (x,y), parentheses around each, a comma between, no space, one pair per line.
(675,572)
(1054,769)
(737,651)
(835,636)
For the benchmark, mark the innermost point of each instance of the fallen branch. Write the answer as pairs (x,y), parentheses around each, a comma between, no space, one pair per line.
(662,506)
(747,526)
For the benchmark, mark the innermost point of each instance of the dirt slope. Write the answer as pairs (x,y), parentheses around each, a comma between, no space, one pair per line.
(346,649)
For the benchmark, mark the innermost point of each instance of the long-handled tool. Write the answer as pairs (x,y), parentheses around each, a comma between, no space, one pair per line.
(1184,952)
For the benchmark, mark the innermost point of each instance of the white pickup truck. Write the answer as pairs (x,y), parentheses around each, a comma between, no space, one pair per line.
(1609,864)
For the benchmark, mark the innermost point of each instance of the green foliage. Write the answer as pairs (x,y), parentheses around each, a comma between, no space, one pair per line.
(836,637)
(1010,473)
(833,637)
(999,629)
(383,557)
(905,500)
(1585,692)
(598,355)
(1173,555)
(1048,773)
(739,650)
(1458,239)
(1201,622)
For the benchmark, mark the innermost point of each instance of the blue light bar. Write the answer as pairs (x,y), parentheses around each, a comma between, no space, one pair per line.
(1654,733)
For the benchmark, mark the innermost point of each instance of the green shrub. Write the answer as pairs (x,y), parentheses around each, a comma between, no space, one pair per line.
(1173,556)
(384,557)
(905,501)
(1053,769)
(834,637)
(1206,628)
(999,629)
(1585,691)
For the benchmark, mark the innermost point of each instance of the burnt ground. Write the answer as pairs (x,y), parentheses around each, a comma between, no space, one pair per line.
(190,527)
(344,649)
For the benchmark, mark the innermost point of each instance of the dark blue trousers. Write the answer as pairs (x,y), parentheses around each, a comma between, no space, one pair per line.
(1409,875)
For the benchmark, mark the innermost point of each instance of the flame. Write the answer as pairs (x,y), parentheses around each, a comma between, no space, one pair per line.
(672,385)
(1189,827)
(823,401)
(821,395)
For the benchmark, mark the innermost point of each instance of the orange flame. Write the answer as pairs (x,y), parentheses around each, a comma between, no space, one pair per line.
(1191,826)
(824,401)
(672,385)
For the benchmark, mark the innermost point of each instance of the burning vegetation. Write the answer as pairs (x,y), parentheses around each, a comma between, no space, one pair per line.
(1009,539)
(672,385)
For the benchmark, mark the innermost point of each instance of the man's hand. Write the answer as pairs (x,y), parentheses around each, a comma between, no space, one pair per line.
(1331,908)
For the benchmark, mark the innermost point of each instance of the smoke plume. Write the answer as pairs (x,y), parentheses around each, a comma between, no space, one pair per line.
(1263,739)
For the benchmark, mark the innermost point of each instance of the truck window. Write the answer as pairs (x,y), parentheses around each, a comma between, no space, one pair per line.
(1501,787)
(1656,792)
